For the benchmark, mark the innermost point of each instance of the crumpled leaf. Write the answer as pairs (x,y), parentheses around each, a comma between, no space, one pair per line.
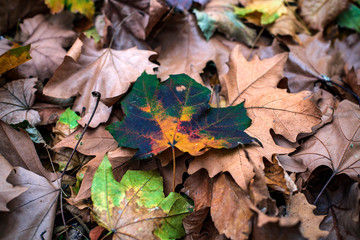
(14,57)
(318,13)
(176,113)
(307,62)
(85,7)
(192,51)
(300,208)
(136,207)
(107,71)
(336,145)
(218,15)
(32,214)
(350,18)
(7,190)
(47,42)
(269,107)
(269,11)
(16,99)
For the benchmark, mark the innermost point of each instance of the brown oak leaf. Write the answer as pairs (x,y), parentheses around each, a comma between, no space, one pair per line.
(336,145)
(191,51)
(16,99)
(107,71)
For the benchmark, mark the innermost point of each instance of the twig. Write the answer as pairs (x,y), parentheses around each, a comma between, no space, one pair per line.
(98,96)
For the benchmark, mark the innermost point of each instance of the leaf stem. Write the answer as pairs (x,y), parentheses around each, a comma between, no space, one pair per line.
(323,189)
(174,166)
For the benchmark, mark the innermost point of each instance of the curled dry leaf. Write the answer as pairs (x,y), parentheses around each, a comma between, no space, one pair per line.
(107,71)
(16,99)
(20,151)
(7,190)
(300,208)
(336,145)
(191,49)
(218,15)
(318,13)
(47,42)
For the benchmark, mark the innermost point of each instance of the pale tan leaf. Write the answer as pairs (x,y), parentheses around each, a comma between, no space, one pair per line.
(107,71)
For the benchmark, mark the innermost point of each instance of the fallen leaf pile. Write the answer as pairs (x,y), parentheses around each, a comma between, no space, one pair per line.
(203,119)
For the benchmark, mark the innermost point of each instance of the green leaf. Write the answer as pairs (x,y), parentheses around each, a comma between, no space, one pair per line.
(176,113)
(14,57)
(85,7)
(218,15)
(350,18)
(136,207)
(92,33)
(69,117)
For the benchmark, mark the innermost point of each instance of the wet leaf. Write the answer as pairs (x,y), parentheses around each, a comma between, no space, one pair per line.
(136,207)
(14,57)
(176,113)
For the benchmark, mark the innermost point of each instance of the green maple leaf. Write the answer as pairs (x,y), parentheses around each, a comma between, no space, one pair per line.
(176,113)
(69,117)
(135,207)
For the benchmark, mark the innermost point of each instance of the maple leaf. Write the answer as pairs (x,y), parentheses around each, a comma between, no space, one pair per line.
(14,57)
(107,71)
(268,107)
(218,15)
(16,99)
(335,145)
(136,207)
(176,113)
(47,42)
(318,13)
(85,7)
(192,51)
(7,190)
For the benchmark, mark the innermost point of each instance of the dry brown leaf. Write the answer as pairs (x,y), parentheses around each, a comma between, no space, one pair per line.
(353,81)
(32,214)
(285,229)
(47,42)
(191,48)
(18,9)
(349,49)
(307,62)
(107,71)
(167,174)
(318,13)
(7,190)
(300,208)
(194,222)
(142,16)
(20,151)
(229,209)
(336,145)
(16,99)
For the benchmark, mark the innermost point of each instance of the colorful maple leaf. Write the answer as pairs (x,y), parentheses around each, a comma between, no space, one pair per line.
(176,113)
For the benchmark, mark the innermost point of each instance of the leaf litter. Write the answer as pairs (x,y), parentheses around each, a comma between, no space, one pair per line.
(289,77)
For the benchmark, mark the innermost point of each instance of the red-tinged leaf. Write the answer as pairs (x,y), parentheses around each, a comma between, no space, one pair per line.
(176,113)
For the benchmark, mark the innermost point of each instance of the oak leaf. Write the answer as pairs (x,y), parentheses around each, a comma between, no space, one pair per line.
(218,15)
(7,190)
(336,145)
(107,71)
(47,42)
(318,13)
(16,99)
(136,207)
(192,51)
(176,113)
(269,107)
